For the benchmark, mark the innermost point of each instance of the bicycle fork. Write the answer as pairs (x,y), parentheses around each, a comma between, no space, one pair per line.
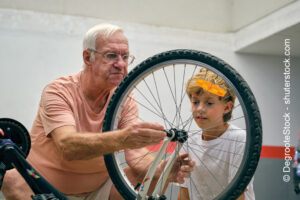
(172,135)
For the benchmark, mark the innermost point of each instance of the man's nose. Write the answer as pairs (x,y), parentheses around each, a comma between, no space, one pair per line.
(120,63)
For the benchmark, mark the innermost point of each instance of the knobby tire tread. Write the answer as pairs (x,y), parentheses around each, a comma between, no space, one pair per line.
(241,86)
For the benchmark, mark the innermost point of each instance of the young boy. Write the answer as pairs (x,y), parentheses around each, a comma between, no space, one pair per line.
(217,148)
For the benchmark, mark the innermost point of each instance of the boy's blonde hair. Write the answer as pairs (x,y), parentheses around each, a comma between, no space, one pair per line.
(193,88)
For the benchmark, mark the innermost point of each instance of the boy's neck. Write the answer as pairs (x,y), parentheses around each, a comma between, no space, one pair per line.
(214,133)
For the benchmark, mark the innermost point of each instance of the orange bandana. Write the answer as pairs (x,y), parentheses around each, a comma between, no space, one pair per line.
(212,88)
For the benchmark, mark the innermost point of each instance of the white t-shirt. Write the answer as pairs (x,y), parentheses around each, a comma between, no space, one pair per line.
(217,162)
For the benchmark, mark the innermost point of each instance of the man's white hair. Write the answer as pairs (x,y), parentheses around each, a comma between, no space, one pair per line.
(103,30)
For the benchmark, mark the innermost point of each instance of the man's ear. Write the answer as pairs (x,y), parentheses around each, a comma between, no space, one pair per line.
(87,57)
(228,107)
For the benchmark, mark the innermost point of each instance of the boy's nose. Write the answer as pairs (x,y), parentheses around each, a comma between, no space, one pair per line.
(200,107)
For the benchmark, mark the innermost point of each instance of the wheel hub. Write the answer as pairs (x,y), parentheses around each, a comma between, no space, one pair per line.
(179,135)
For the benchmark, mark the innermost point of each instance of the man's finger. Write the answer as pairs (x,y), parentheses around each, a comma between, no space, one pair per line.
(150,133)
(150,125)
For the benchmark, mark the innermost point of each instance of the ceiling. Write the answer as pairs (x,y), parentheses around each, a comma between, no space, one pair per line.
(257,29)
(268,35)
(274,44)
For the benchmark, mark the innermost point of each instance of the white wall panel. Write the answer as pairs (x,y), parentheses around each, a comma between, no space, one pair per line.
(38,47)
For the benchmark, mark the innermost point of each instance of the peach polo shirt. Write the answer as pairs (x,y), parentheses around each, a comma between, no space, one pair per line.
(63,104)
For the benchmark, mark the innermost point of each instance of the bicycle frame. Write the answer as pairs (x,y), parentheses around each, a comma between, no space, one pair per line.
(12,157)
(158,190)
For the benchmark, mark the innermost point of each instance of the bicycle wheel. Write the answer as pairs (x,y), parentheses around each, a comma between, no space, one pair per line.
(16,132)
(157,86)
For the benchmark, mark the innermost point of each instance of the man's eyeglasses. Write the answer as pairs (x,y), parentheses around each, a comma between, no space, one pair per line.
(111,57)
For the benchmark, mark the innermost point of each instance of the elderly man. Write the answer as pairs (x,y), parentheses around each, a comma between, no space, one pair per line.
(67,143)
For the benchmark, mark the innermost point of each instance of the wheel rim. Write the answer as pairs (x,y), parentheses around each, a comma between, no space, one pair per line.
(140,84)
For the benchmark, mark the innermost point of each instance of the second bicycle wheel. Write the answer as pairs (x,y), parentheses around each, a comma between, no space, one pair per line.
(157,90)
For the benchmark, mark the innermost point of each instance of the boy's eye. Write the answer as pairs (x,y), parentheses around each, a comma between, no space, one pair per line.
(195,102)
(209,103)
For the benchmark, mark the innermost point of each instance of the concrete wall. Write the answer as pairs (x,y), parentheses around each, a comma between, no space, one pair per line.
(193,14)
(38,47)
(202,15)
(245,12)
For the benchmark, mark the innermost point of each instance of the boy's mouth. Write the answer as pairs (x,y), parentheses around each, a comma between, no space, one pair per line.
(201,118)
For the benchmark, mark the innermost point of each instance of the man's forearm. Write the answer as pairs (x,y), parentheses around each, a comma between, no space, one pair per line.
(85,146)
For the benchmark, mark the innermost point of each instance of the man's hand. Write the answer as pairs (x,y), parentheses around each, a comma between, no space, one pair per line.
(142,134)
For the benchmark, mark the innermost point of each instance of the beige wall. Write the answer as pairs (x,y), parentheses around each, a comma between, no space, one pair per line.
(203,15)
(245,12)
(38,47)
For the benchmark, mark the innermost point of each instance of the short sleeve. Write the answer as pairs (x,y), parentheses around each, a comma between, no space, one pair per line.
(55,110)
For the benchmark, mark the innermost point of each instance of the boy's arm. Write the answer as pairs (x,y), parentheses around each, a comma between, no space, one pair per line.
(183,194)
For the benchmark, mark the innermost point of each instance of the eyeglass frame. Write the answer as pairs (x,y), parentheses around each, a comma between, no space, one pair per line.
(113,59)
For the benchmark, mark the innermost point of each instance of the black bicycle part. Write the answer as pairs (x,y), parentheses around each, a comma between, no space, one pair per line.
(12,156)
(254,126)
(296,169)
(16,132)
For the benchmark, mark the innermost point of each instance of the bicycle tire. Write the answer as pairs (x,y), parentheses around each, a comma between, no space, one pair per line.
(17,132)
(202,59)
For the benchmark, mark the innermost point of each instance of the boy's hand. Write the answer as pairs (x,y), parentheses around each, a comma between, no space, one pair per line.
(182,168)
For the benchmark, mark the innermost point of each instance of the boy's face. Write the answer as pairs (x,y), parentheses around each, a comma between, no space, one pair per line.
(208,110)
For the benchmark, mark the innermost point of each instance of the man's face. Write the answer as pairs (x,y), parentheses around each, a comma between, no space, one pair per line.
(208,110)
(110,73)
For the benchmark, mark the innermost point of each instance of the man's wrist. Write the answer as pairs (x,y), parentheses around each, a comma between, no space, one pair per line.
(119,141)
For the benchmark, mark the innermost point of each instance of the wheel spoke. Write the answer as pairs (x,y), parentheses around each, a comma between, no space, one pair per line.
(156,92)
